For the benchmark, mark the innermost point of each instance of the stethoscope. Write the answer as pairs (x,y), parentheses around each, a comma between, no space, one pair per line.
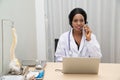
(70,52)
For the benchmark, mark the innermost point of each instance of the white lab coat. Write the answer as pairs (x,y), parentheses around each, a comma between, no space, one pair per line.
(86,49)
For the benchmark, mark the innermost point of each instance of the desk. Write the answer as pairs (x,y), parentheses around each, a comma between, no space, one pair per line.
(107,71)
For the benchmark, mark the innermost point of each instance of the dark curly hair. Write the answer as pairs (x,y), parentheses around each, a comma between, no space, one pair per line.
(77,11)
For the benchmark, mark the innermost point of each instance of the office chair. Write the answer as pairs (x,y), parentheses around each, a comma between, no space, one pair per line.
(56,42)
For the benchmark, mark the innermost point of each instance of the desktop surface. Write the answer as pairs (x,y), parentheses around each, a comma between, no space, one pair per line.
(107,71)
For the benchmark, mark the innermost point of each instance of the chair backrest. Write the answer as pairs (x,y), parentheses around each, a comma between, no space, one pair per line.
(56,42)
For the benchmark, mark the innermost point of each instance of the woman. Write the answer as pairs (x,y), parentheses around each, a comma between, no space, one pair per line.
(79,41)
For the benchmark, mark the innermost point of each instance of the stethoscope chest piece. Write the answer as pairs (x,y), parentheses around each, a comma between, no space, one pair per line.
(70,53)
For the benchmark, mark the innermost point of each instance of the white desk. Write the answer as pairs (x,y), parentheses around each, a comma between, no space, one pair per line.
(107,71)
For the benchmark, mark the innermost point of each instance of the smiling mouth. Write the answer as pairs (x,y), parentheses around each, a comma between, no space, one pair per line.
(80,28)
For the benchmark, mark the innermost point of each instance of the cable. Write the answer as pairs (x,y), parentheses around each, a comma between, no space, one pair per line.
(60,70)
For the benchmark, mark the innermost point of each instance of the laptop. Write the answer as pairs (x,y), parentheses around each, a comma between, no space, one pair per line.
(72,65)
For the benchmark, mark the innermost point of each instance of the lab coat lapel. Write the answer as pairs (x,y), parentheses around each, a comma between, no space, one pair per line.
(72,43)
(82,43)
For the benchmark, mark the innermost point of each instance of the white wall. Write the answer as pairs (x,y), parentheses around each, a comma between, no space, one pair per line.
(117,27)
(40,30)
(22,12)
(0,51)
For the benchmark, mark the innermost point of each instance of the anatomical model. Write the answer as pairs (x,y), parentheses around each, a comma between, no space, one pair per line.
(14,65)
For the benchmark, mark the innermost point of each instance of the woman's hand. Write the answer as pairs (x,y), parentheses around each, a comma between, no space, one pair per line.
(32,78)
(87,32)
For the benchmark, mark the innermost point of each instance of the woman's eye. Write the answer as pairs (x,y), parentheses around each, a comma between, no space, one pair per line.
(75,20)
(81,20)
(78,20)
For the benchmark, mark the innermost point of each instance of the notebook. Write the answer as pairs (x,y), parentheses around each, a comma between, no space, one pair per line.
(80,65)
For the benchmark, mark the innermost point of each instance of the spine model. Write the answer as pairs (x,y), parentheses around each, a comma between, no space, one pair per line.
(14,66)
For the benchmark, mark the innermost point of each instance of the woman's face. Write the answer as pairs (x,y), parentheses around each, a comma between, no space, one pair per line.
(78,22)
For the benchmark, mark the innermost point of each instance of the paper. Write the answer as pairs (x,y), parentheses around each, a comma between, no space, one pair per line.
(12,77)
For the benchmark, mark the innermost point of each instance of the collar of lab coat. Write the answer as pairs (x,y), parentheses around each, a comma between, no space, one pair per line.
(73,45)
